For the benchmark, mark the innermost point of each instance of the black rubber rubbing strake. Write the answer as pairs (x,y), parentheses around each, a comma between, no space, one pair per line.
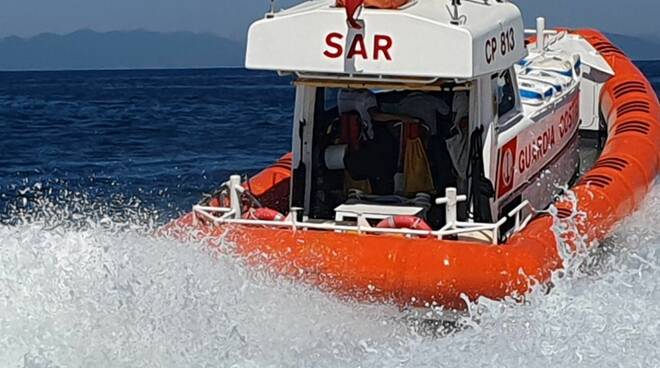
(633,126)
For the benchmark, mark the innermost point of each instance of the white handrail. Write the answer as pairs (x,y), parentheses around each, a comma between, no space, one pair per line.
(517,212)
(232,215)
(290,222)
(213,209)
(234,195)
(450,201)
(309,225)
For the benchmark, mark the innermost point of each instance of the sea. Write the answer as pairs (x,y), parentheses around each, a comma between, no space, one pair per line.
(93,162)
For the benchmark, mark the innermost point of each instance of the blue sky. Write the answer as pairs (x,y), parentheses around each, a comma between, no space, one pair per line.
(231,18)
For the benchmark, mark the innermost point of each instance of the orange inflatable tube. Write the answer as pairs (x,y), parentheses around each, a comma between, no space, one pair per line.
(428,271)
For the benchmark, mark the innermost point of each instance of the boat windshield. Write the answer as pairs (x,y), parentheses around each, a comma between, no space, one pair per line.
(389,148)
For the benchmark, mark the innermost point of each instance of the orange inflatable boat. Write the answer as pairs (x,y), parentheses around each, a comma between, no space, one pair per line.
(373,249)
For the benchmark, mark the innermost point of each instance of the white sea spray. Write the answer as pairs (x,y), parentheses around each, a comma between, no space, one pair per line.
(82,285)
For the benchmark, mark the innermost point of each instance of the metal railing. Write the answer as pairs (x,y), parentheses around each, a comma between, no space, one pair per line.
(520,223)
(453,228)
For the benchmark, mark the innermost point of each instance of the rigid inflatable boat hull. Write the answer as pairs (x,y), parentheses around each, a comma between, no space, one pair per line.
(389,268)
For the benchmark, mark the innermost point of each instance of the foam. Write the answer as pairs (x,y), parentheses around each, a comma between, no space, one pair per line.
(105,292)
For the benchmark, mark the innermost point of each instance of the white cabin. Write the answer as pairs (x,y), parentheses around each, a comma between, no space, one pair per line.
(420,40)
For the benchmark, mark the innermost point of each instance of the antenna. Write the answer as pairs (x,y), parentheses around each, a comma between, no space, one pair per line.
(271,12)
(455,17)
(540,35)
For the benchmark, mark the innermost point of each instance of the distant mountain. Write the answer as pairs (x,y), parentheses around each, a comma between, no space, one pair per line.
(637,48)
(138,49)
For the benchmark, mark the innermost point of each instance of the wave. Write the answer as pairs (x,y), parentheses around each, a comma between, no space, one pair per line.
(87,284)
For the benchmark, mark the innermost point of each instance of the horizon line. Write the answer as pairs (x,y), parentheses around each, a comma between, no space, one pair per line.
(177,68)
(128,69)
(145,30)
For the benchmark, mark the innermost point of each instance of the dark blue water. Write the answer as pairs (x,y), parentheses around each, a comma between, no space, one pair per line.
(162,136)
(108,294)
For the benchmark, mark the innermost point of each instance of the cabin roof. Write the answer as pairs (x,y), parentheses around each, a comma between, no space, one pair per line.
(418,40)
